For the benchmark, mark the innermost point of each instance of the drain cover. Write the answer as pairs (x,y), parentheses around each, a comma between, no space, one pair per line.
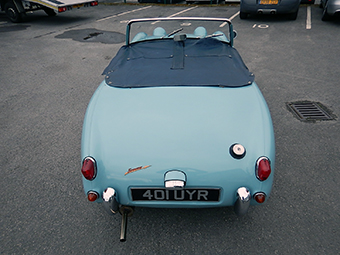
(310,111)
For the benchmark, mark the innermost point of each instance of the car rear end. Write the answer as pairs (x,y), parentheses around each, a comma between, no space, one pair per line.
(183,147)
(268,7)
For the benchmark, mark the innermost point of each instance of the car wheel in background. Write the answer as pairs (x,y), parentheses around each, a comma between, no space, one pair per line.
(325,15)
(293,16)
(12,12)
(243,15)
(49,11)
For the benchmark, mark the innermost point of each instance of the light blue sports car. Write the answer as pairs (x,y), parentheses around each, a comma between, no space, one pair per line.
(178,122)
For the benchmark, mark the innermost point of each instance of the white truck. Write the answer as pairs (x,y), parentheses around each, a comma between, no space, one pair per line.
(15,9)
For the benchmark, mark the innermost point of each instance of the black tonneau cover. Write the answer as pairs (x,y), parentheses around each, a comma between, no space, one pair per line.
(193,62)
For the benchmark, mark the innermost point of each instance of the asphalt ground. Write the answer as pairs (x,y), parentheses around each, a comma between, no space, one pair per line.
(48,72)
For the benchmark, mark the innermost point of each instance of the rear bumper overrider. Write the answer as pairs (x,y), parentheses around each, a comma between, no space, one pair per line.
(112,206)
(241,205)
(110,202)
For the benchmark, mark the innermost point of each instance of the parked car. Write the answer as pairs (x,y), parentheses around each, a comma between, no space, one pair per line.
(307,1)
(331,8)
(272,7)
(17,9)
(178,122)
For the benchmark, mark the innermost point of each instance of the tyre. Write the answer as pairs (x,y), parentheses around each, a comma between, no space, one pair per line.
(293,16)
(325,15)
(12,12)
(49,12)
(243,15)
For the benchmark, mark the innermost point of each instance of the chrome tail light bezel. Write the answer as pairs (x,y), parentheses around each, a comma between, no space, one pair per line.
(257,174)
(94,175)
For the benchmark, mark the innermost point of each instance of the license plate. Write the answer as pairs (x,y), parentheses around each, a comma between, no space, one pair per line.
(78,5)
(162,194)
(269,1)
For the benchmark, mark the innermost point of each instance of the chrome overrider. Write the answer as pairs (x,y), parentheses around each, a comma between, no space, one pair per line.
(242,203)
(112,206)
(110,201)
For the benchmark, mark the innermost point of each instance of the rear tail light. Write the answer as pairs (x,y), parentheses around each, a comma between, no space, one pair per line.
(263,168)
(89,168)
(92,196)
(260,197)
(94,3)
(62,9)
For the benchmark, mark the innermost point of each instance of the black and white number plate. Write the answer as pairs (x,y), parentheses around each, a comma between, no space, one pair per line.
(162,194)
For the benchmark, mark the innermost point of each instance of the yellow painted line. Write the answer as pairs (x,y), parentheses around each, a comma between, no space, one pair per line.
(45,4)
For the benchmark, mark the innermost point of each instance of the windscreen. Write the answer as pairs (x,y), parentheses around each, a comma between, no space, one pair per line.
(169,28)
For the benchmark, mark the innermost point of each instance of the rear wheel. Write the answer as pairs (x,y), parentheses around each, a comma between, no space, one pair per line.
(49,12)
(243,15)
(12,12)
(293,16)
(325,15)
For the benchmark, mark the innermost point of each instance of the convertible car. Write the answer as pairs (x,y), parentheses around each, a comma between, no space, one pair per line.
(178,122)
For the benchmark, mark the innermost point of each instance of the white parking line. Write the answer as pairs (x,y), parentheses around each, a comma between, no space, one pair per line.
(231,18)
(178,13)
(309,18)
(123,13)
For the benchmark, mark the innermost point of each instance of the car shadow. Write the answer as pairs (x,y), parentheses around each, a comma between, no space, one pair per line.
(205,224)
(270,18)
(41,18)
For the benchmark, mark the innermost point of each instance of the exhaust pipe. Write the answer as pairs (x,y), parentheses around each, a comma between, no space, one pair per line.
(126,211)
(266,11)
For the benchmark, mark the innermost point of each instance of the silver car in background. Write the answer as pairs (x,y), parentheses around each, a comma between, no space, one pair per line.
(331,8)
(289,7)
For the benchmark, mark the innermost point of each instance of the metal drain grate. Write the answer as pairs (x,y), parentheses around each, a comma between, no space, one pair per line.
(310,111)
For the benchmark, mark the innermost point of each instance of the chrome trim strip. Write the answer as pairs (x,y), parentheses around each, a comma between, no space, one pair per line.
(175,179)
